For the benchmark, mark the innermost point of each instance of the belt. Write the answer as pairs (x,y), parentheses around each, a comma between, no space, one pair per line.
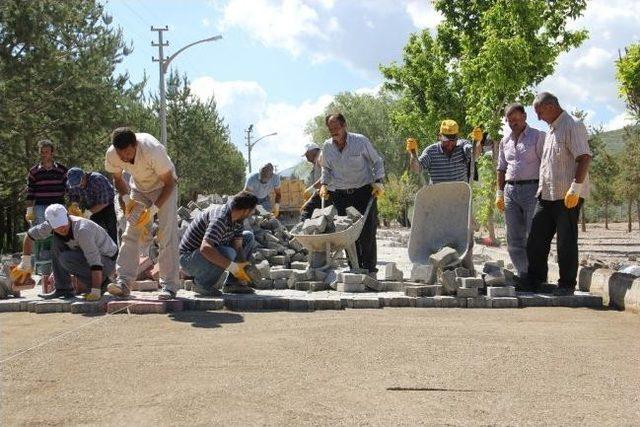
(350,190)
(526,181)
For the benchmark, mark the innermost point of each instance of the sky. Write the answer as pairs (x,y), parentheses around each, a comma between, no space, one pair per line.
(280,63)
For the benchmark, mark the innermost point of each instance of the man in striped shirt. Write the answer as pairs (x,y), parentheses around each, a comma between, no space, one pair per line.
(564,183)
(447,160)
(45,183)
(215,242)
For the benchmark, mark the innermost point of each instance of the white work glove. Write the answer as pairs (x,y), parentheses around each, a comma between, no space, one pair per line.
(25,264)
(276,210)
(30,215)
(87,214)
(573,195)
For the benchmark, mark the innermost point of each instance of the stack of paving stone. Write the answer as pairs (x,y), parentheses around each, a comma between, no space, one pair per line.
(327,220)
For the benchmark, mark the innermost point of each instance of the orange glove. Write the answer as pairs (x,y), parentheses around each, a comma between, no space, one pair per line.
(573,195)
(324,191)
(378,189)
(412,145)
(74,209)
(238,270)
(500,200)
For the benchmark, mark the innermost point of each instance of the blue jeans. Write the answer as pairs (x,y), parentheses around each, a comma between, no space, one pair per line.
(205,273)
(519,205)
(38,212)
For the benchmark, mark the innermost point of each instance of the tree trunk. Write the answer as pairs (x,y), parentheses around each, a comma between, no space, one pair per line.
(491,228)
(606,215)
(629,209)
(638,208)
(583,221)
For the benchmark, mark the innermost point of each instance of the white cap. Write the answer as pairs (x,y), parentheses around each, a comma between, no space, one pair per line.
(56,215)
(311,146)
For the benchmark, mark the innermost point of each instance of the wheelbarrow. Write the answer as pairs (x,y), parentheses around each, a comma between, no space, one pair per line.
(334,242)
(441,217)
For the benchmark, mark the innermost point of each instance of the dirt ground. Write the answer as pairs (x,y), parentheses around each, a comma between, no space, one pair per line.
(545,366)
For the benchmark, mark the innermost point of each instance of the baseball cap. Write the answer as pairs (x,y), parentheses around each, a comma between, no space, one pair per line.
(56,215)
(311,146)
(74,177)
(449,127)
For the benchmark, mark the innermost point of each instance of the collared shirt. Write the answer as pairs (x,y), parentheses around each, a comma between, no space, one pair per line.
(98,191)
(443,167)
(213,224)
(261,189)
(566,141)
(316,171)
(86,235)
(520,158)
(150,162)
(47,186)
(357,165)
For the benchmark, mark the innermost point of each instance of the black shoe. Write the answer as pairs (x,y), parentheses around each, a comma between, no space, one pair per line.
(202,292)
(58,293)
(563,292)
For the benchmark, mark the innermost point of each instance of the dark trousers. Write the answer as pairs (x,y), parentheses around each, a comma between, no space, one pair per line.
(366,243)
(106,219)
(549,218)
(66,261)
(312,204)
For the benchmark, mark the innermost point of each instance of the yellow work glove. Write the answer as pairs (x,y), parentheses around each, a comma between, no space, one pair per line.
(324,191)
(94,295)
(477,134)
(29,215)
(132,209)
(74,209)
(500,200)
(276,210)
(21,273)
(573,195)
(412,145)
(378,189)
(238,270)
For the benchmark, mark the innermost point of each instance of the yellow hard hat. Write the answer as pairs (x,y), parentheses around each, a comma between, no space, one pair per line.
(449,127)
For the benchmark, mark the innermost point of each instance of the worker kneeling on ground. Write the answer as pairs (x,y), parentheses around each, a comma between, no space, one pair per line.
(215,242)
(261,184)
(80,247)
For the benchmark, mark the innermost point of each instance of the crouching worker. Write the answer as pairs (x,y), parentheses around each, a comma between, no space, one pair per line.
(215,242)
(80,247)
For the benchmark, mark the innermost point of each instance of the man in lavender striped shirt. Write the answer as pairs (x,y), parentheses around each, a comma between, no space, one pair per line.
(518,168)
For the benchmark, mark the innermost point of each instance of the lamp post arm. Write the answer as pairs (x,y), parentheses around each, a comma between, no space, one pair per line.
(167,61)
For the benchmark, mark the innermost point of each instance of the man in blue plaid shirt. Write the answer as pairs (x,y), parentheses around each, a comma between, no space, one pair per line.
(93,193)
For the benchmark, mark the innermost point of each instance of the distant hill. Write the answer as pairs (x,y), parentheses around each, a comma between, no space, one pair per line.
(614,140)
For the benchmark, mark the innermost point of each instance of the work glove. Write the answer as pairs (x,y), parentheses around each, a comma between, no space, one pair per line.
(74,209)
(94,295)
(500,200)
(378,189)
(324,191)
(30,216)
(573,195)
(238,270)
(132,209)
(412,145)
(477,134)
(276,210)
(21,273)
(308,192)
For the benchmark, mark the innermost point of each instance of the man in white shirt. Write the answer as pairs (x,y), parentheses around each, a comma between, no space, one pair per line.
(261,184)
(151,189)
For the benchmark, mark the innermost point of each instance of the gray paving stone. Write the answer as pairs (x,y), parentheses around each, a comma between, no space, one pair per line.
(479,302)
(504,302)
(444,256)
(422,291)
(470,282)
(360,302)
(299,265)
(462,272)
(450,302)
(534,300)
(283,273)
(501,291)
(467,292)
(449,282)
(393,286)
(349,278)
(428,302)
(372,283)
(280,283)
(327,303)
(10,304)
(351,287)
(88,307)
(423,273)
(299,304)
(397,300)
(52,306)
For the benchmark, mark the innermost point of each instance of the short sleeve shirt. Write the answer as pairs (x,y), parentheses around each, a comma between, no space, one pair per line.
(566,140)
(213,224)
(150,163)
(262,189)
(443,167)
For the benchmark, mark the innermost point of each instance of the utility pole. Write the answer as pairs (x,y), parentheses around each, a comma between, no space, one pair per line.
(163,67)
(163,95)
(249,129)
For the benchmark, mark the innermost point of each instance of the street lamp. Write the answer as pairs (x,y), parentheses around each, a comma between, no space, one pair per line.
(164,66)
(250,144)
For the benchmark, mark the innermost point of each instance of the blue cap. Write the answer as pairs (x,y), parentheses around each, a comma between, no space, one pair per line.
(74,177)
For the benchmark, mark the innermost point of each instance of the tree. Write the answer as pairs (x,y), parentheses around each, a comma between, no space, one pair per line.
(57,62)
(369,115)
(628,181)
(199,144)
(628,76)
(603,174)
(485,54)
(398,197)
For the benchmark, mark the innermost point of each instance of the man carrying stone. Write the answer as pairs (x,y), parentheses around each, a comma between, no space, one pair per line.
(352,173)
(260,184)
(313,154)
(215,242)
(564,182)
(153,187)
(45,183)
(94,193)
(80,247)
(518,169)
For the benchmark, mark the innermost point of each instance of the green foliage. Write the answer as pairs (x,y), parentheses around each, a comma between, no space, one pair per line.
(398,196)
(369,115)
(628,182)
(199,144)
(628,75)
(484,190)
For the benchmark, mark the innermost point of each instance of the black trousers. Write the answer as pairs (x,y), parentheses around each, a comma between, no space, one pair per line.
(549,218)
(106,219)
(366,243)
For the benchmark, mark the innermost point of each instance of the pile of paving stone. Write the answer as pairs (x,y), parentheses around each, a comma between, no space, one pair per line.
(327,220)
